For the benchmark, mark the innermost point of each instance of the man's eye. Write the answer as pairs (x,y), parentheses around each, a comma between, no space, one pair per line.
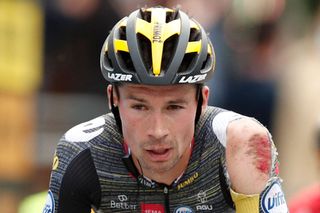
(139,107)
(174,107)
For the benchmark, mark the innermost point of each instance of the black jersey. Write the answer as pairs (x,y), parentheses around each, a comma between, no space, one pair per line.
(91,171)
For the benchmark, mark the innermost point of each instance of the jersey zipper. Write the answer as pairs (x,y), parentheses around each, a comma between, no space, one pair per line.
(166,199)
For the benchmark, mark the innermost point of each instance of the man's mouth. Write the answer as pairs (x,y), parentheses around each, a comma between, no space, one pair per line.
(159,154)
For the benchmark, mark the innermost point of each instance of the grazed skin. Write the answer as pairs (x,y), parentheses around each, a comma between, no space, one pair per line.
(248,156)
(260,149)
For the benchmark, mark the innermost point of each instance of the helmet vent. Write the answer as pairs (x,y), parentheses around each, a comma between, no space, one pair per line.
(206,63)
(122,33)
(145,50)
(125,61)
(195,35)
(169,47)
(170,16)
(107,60)
(146,15)
(187,61)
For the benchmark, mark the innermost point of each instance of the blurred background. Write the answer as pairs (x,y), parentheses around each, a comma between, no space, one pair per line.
(268,67)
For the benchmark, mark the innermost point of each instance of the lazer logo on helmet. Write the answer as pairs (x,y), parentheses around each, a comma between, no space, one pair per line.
(119,77)
(192,79)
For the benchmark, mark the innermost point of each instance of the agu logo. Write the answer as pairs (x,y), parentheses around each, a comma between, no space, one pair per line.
(49,206)
(183,209)
(273,200)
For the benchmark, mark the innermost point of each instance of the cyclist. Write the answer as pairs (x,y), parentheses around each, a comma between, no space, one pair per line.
(162,149)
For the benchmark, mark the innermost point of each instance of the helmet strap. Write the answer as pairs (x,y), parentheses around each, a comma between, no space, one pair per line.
(115,109)
(199,105)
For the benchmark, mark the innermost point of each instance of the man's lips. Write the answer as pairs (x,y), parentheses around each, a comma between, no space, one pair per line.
(161,154)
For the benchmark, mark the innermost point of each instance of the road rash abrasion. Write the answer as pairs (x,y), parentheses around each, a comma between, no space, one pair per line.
(260,150)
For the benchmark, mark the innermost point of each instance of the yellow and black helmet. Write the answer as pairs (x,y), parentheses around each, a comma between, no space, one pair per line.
(157,46)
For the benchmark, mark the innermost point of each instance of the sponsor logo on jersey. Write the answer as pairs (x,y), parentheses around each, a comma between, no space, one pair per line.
(202,197)
(49,205)
(192,79)
(189,181)
(183,209)
(122,203)
(273,200)
(144,181)
(152,208)
(119,77)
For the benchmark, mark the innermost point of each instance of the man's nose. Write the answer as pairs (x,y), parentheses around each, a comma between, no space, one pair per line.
(158,126)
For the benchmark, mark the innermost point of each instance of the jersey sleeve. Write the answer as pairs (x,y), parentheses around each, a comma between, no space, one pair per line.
(74,183)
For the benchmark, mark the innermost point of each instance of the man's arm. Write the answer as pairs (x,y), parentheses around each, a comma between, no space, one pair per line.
(74,185)
(248,156)
(251,163)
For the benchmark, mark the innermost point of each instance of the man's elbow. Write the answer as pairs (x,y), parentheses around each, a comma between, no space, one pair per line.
(248,155)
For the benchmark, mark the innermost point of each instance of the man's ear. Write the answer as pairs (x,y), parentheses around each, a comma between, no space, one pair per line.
(205,96)
(112,96)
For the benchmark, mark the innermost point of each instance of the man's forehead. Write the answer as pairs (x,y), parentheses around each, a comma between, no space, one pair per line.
(176,93)
(176,87)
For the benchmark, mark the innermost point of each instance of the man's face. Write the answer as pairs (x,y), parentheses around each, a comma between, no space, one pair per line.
(158,124)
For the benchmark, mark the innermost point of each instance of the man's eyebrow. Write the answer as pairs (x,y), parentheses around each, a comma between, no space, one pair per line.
(177,101)
(132,97)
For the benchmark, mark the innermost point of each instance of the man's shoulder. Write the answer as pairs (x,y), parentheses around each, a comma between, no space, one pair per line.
(88,136)
(214,110)
(95,131)
(214,121)
(204,126)
(209,114)
(85,131)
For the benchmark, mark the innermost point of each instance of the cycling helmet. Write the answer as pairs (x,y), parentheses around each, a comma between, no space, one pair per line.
(157,46)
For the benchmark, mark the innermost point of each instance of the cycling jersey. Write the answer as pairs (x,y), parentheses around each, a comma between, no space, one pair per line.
(93,170)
